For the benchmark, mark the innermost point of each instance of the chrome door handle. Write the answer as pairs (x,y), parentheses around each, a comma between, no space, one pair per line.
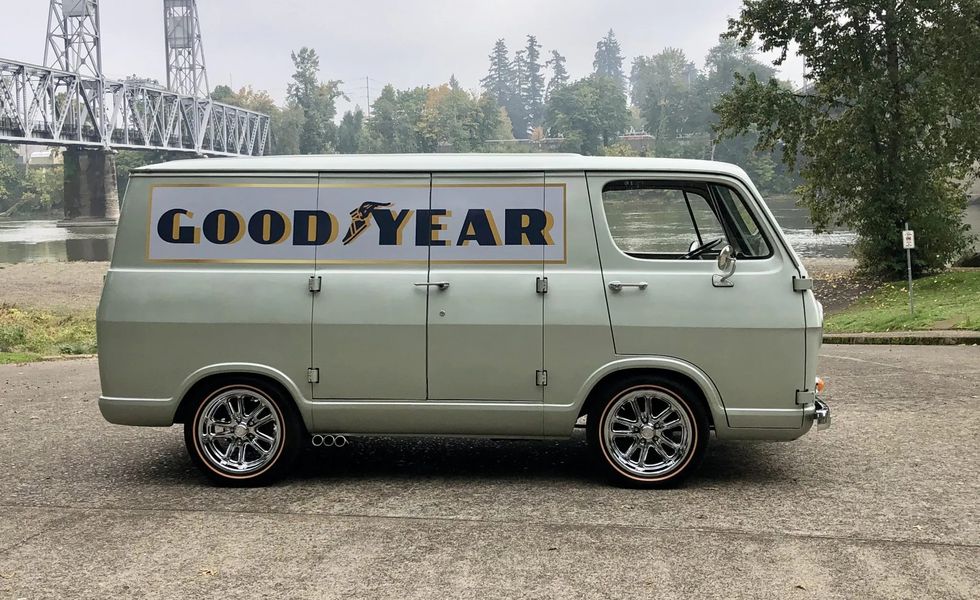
(618,286)
(439,284)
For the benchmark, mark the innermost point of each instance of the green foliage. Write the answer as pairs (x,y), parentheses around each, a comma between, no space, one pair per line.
(589,113)
(395,120)
(532,92)
(886,125)
(35,190)
(349,132)
(663,86)
(11,178)
(945,301)
(317,100)
(127,160)
(559,74)
(39,332)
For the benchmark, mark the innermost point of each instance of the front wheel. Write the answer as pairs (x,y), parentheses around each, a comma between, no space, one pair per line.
(243,432)
(648,431)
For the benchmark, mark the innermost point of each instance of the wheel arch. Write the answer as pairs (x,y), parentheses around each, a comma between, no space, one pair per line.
(209,376)
(673,368)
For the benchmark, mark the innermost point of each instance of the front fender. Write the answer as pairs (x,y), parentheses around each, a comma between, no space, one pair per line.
(554,418)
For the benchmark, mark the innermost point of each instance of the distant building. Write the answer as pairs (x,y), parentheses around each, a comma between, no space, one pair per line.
(38,157)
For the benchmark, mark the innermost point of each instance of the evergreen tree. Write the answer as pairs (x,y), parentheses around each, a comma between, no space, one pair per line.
(533,91)
(499,82)
(559,74)
(516,106)
(609,59)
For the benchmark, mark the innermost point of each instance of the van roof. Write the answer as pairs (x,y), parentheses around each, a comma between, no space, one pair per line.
(408,163)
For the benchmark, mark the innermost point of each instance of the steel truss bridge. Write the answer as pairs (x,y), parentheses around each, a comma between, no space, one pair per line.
(68,102)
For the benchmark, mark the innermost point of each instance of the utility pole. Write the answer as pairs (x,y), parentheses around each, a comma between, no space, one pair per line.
(367,85)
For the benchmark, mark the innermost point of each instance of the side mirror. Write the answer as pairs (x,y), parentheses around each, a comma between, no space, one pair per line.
(726,264)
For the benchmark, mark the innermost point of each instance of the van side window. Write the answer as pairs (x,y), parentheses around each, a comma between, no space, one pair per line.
(654,219)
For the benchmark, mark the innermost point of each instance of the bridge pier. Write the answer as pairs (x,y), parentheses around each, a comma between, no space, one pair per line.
(91,193)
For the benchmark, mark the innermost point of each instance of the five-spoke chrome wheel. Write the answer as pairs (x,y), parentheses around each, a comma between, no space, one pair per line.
(647,432)
(239,430)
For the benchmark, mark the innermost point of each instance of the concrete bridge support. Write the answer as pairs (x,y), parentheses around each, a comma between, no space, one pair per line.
(91,194)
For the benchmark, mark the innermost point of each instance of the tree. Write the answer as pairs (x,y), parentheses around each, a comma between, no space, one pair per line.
(11,178)
(516,107)
(394,125)
(609,59)
(456,120)
(349,132)
(559,74)
(503,84)
(886,125)
(589,113)
(533,91)
(318,101)
(499,82)
(662,87)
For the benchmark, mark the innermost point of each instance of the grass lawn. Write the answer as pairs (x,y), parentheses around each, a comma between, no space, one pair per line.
(30,334)
(946,301)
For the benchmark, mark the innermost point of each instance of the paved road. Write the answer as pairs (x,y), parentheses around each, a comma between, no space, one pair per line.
(884,504)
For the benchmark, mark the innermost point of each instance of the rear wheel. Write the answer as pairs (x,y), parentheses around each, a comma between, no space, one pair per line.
(648,431)
(243,432)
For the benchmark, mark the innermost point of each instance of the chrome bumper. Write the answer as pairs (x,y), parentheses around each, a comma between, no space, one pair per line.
(821,414)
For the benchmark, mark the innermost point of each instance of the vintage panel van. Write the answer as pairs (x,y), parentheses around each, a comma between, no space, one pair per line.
(268,303)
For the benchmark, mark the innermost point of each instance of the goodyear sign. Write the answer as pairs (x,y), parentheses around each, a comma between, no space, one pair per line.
(353,224)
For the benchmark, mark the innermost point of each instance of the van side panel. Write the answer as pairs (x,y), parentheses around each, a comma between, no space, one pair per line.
(577,337)
(162,325)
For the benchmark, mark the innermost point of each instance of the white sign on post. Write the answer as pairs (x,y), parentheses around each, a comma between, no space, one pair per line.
(908,239)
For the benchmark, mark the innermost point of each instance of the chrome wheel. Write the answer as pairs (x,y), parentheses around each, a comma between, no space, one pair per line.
(239,431)
(648,432)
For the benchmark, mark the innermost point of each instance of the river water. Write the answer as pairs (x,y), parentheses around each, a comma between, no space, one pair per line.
(44,241)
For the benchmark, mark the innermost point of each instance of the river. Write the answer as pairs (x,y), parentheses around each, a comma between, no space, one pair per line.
(43,241)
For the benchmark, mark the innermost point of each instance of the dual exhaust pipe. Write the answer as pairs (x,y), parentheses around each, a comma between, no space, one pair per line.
(329,441)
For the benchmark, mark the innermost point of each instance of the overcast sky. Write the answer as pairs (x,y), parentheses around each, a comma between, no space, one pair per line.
(406,43)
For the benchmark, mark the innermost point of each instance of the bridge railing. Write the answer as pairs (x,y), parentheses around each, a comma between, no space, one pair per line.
(40,105)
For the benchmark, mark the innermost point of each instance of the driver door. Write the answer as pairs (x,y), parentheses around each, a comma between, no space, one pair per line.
(658,243)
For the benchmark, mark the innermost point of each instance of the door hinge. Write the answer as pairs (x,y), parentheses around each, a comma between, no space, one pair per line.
(541,378)
(313,375)
(315,283)
(805,397)
(802,285)
(542,285)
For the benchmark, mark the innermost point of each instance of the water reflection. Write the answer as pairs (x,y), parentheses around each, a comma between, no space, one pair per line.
(44,241)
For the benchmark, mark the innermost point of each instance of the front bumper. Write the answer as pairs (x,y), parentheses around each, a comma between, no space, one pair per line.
(821,414)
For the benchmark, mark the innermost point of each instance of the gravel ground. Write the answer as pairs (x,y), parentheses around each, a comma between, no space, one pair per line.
(884,504)
(73,286)
(77,285)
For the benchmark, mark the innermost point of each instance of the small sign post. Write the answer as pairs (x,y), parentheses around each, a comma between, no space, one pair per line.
(908,242)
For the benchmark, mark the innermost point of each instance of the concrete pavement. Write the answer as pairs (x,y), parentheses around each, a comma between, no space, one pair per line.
(885,504)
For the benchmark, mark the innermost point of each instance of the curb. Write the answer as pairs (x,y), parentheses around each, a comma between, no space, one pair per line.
(900,339)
